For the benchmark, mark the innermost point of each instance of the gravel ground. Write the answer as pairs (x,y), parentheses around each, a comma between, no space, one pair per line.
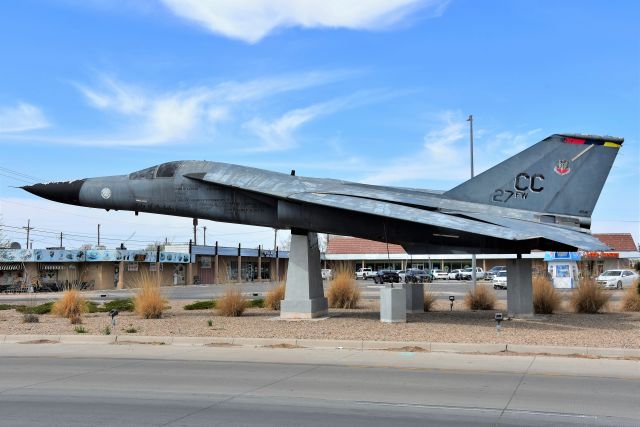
(609,329)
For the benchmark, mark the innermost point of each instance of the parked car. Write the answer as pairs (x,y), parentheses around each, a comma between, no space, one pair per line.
(388,276)
(617,279)
(455,274)
(466,273)
(364,273)
(500,280)
(439,274)
(415,275)
(490,274)
(327,274)
(401,274)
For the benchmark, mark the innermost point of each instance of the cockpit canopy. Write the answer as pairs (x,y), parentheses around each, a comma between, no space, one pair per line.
(165,170)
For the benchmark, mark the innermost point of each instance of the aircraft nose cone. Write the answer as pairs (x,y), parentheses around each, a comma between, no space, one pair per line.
(62,192)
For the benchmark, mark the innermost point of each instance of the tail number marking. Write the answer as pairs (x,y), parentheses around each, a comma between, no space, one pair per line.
(522,184)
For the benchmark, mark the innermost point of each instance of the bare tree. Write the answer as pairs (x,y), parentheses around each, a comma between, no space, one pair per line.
(285,244)
(4,241)
(154,246)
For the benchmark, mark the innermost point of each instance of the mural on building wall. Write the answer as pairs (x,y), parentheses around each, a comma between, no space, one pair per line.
(110,255)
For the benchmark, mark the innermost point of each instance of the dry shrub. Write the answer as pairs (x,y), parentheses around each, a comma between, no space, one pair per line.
(589,297)
(343,291)
(429,300)
(232,303)
(71,306)
(482,298)
(546,299)
(148,301)
(274,296)
(631,299)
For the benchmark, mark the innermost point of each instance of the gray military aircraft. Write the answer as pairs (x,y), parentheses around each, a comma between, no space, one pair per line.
(541,198)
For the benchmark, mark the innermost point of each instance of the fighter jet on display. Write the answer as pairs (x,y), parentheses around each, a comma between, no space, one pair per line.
(541,198)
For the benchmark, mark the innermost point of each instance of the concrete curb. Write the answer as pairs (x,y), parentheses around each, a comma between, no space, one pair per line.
(436,347)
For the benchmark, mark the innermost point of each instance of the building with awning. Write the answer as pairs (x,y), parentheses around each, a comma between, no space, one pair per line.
(379,255)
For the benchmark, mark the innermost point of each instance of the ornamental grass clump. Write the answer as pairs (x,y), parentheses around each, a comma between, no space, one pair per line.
(589,297)
(631,299)
(274,296)
(429,300)
(480,298)
(149,302)
(546,299)
(232,303)
(71,306)
(343,291)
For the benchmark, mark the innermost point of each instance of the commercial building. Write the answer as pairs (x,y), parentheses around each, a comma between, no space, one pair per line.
(219,264)
(53,269)
(378,255)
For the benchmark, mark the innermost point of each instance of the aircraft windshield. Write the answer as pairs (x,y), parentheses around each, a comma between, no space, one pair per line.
(147,173)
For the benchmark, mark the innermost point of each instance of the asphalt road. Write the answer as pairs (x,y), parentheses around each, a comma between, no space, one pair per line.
(112,385)
(442,289)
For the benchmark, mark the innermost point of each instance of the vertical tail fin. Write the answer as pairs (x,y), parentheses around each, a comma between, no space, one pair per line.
(562,174)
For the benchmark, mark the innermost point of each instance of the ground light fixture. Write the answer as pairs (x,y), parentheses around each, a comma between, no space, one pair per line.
(113,313)
(452,299)
(499,318)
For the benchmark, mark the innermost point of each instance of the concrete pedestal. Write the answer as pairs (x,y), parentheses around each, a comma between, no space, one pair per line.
(519,288)
(393,305)
(414,297)
(304,295)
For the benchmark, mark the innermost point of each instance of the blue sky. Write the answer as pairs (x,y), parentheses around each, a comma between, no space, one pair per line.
(375,92)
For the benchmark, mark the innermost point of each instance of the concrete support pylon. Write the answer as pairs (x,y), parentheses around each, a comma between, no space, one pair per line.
(304,294)
(519,288)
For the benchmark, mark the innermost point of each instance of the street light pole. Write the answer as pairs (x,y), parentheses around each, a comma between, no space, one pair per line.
(473,256)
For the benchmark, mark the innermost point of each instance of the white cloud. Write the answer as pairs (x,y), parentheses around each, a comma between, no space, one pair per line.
(510,143)
(252,20)
(145,117)
(279,135)
(441,157)
(444,155)
(23,117)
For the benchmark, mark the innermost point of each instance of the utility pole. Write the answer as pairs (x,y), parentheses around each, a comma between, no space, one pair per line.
(28,228)
(61,239)
(195,231)
(204,235)
(275,238)
(98,234)
(473,255)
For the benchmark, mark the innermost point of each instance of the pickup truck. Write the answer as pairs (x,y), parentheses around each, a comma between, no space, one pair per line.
(466,273)
(364,273)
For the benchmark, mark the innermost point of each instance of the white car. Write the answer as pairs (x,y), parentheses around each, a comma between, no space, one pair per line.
(401,274)
(500,280)
(439,274)
(454,274)
(327,274)
(364,273)
(617,279)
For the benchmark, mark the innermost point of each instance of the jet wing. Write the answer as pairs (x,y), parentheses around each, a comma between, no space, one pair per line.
(575,238)
(406,213)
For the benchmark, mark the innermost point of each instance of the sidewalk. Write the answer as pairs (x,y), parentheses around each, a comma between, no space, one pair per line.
(357,345)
